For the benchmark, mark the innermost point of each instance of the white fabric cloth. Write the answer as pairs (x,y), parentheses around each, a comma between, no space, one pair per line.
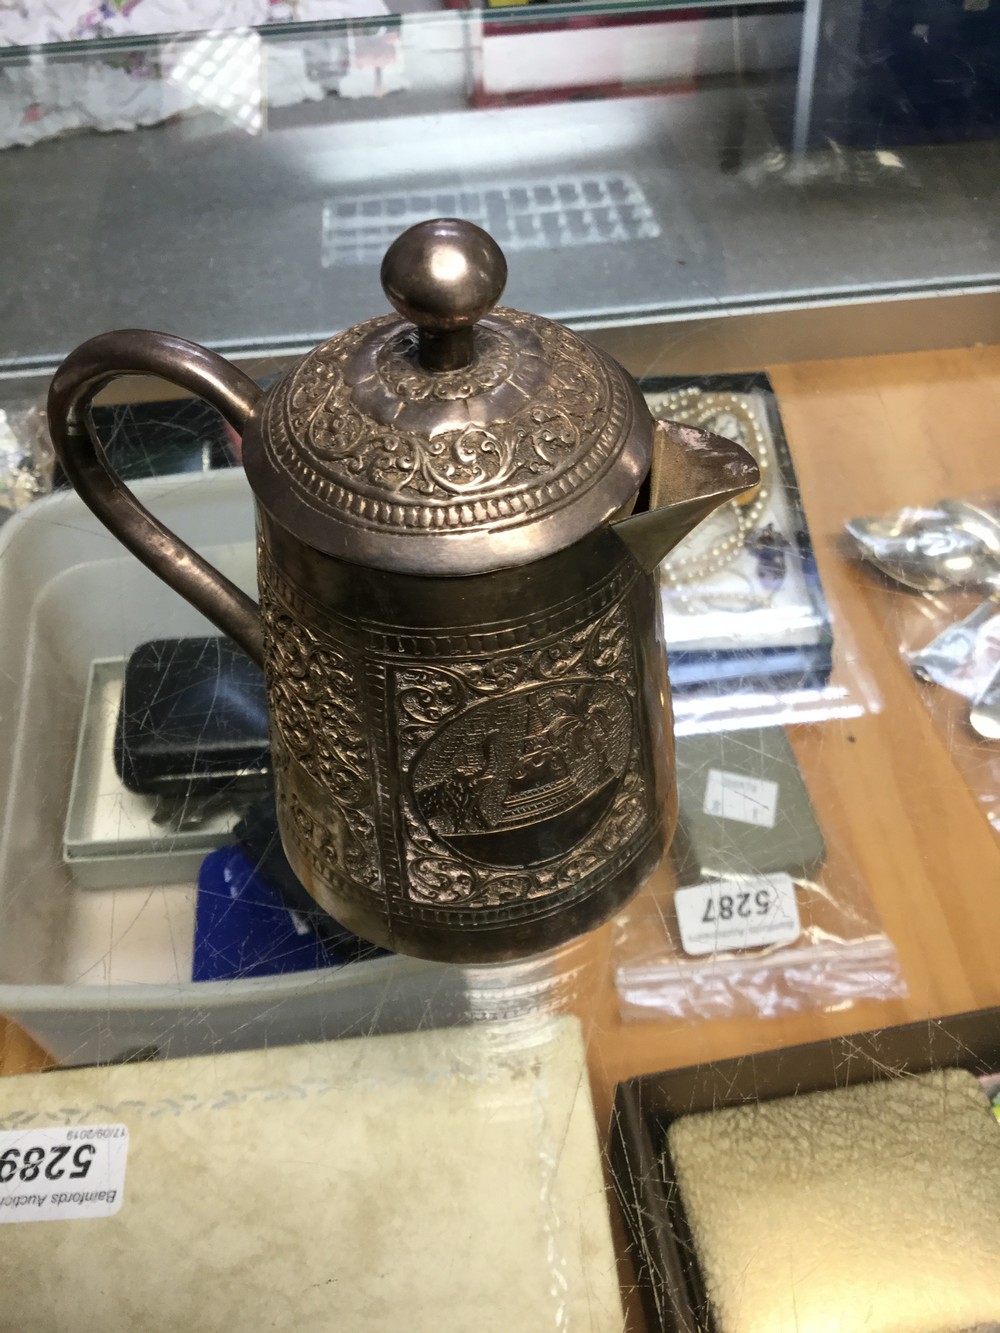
(37,22)
(233,73)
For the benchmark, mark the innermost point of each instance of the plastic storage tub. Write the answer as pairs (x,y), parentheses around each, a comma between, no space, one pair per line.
(96,974)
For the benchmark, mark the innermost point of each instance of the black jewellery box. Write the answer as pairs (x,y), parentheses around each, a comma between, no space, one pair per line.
(757,616)
(666,1261)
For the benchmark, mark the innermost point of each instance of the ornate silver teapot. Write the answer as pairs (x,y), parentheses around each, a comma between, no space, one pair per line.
(458,620)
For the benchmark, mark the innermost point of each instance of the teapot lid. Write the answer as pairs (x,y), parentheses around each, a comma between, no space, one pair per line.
(454,438)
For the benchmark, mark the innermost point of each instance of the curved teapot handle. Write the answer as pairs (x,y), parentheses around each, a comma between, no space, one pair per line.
(76,383)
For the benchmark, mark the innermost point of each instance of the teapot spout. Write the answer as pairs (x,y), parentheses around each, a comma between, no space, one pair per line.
(692,473)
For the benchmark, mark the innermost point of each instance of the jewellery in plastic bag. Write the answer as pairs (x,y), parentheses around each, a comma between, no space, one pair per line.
(964,656)
(949,546)
(984,715)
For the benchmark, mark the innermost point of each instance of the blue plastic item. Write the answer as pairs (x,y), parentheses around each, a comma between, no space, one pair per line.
(242,930)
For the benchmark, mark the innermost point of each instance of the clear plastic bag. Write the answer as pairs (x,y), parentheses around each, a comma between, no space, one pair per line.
(756,645)
(25,457)
(934,573)
(848,691)
(753,635)
(960,697)
(832,951)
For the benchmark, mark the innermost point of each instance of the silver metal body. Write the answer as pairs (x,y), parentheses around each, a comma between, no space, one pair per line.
(458,617)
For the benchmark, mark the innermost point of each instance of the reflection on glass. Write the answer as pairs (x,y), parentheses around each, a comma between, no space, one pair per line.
(676,163)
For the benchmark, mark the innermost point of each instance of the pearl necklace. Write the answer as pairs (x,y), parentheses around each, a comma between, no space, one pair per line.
(730,415)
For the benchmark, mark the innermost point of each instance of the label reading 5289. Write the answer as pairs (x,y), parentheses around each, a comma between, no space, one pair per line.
(60,1173)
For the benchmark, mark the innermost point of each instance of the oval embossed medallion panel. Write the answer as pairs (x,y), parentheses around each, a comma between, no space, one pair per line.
(521,779)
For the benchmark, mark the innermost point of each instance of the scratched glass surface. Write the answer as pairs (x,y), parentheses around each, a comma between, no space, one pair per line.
(240,186)
(714,193)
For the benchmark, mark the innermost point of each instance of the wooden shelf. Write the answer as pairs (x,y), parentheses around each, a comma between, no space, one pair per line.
(869,435)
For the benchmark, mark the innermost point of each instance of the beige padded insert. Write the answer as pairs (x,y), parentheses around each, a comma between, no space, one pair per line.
(427,1182)
(873,1208)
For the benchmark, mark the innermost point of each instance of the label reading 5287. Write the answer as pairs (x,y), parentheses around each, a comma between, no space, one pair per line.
(746,913)
(60,1173)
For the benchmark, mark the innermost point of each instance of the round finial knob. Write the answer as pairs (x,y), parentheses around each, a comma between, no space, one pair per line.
(444,276)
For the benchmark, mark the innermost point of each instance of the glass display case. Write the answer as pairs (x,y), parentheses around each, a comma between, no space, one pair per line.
(780,216)
(683,163)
